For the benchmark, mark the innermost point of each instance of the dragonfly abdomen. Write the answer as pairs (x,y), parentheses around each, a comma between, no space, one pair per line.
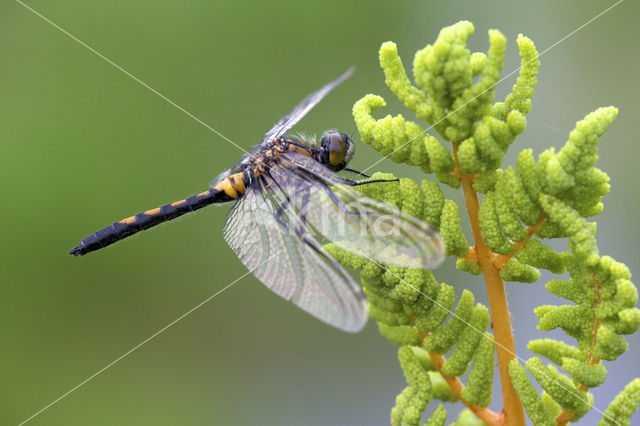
(227,190)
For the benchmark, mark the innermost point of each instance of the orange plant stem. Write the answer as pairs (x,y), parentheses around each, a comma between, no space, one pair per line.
(483,413)
(500,316)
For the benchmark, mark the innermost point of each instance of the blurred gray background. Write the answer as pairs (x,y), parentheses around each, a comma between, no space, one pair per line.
(84,145)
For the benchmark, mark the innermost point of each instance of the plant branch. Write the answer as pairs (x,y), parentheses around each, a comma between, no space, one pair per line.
(472,255)
(500,316)
(483,413)
(501,259)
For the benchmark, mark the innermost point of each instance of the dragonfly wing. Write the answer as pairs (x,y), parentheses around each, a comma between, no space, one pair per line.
(292,265)
(291,119)
(337,213)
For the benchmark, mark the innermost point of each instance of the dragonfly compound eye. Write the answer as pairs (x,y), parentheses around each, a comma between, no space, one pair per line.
(336,149)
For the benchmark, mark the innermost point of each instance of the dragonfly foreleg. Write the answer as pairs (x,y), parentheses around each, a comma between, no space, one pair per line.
(354,183)
(358,172)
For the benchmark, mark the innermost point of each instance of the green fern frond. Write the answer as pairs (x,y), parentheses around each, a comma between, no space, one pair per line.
(438,417)
(467,346)
(602,295)
(517,271)
(623,406)
(556,385)
(532,402)
(413,400)
(544,198)
(467,418)
(443,338)
(480,379)
(536,254)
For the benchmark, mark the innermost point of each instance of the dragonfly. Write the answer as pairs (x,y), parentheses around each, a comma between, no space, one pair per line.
(290,203)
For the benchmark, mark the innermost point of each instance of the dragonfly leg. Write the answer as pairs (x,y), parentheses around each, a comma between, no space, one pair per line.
(303,215)
(281,208)
(343,208)
(354,183)
(303,212)
(358,172)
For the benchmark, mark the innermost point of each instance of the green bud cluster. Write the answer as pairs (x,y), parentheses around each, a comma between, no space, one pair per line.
(559,189)
(419,391)
(603,306)
(467,418)
(408,303)
(543,198)
(447,98)
(623,406)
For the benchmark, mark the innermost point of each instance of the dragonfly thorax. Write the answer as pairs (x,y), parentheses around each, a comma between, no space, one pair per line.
(264,159)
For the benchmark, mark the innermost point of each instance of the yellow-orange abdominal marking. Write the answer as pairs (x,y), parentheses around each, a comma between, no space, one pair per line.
(276,150)
(233,186)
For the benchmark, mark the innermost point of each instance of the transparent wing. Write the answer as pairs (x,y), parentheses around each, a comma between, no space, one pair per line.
(334,212)
(291,263)
(291,119)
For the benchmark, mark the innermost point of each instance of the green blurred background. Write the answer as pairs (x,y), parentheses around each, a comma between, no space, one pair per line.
(84,145)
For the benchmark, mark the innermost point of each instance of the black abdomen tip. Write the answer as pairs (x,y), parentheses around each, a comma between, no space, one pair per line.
(78,250)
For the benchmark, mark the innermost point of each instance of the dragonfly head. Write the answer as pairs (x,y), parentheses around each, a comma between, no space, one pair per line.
(336,150)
